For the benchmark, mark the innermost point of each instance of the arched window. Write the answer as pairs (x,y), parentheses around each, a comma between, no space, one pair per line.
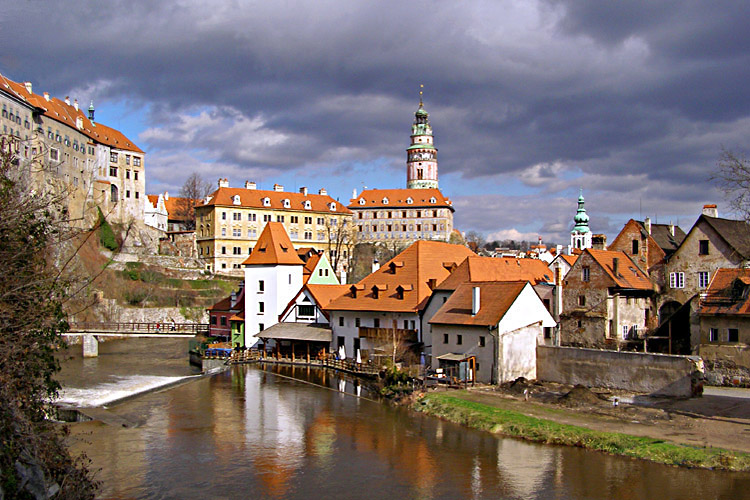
(114,194)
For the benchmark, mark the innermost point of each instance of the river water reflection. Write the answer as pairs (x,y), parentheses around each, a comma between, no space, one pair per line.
(250,433)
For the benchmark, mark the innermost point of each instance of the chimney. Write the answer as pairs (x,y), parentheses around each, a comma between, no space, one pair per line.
(323,192)
(647,223)
(671,228)
(250,185)
(303,190)
(278,187)
(432,283)
(166,195)
(354,193)
(223,183)
(75,104)
(28,86)
(375,265)
(710,210)
(46,96)
(79,122)
(91,111)
(599,241)
(475,305)
(233,300)
(615,265)
(67,100)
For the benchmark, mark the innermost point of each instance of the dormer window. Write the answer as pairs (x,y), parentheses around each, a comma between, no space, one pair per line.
(308,205)
(266,202)
(433,200)
(332,206)
(236,200)
(375,292)
(361,201)
(409,200)
(385,201)
(286,203)
(400,292)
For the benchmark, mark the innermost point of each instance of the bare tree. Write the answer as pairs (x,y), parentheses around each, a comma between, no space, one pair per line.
(733,177)
(195,189)
(342,238)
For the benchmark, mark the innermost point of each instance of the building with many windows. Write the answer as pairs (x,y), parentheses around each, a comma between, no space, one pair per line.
(230,220)
(94,164)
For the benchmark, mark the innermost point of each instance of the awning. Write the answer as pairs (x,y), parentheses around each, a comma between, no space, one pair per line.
(454,357)
(311,332)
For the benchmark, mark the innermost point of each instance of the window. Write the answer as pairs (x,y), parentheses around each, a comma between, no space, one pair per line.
(135,175)
(713,334)
(237,232)
(547,332)
(223,216)
(356,322)
(677,280)
(236,216)
(113,171)
(223,250)
(703,247)
(136,162)
(113,157)
(279,218)
(703,279)
(127,159)
(321,221)
(582,300)
(634,250)
(266,202)
(580,323)
(341,321)
(481,341)
(585,273)
(267,218)
(251,217)
(127,174)
(445,338)
(137,195)
(223,231)
(261,286)
(261,307)
(127,193)
(213,320)
(306,310)
(459,339)
(376,323)
(733,335)
(54,154)
(261,327)
(237,250)
(308,220)
(624,331)
(223,321)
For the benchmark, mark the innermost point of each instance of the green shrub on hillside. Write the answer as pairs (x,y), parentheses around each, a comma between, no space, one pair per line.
(106,234)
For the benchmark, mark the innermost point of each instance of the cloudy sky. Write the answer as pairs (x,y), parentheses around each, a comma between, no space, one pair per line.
(529,100)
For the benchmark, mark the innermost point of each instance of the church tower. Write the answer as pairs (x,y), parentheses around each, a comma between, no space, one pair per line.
(421,155)
(580,236)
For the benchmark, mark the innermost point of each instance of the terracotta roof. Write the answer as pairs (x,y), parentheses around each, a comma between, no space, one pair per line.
(477,268)
(222,305)
(734,232)
(253,198)
(628,275)
(66,114)
(570,259)
(410,271)
(274,248)
(310,264)
(727,293)
(325,294)
(398,198)
(310,332)
(495,298)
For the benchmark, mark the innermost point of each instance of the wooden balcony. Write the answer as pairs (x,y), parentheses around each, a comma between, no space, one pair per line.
(386,334)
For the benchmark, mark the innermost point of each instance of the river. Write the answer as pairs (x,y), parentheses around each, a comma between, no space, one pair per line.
(289,433)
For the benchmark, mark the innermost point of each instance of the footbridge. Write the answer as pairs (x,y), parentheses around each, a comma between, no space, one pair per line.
(90,332)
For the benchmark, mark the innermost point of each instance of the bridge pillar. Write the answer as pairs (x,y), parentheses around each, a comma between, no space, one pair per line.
(90,346)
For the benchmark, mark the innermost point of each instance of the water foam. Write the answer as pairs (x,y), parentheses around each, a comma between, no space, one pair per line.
(109,392)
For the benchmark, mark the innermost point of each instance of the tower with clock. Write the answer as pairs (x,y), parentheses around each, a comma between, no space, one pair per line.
(421,155)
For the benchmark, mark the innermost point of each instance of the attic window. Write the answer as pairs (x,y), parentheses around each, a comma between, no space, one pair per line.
(266,202)
(262,249)
(308,206)
(236,200)
(409,201)
(400,292)
(332,206)
(433,200)
(361,201)
(286,203)
(393,265)
(283,248)
(385,201)
(375,292)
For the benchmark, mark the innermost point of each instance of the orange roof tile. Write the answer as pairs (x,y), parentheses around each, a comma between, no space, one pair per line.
(727,293)
(274,248)
(411,271)
(629,274)
(570,259)
(398,198)
(495,300)
(325,294)
(477,268)
(254,198)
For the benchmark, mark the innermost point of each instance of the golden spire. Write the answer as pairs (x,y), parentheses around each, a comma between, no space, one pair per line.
(421,86)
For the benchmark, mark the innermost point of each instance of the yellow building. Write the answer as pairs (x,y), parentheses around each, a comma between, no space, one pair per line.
(230,220)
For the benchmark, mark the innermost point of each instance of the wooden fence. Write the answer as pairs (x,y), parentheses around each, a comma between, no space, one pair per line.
(140,328)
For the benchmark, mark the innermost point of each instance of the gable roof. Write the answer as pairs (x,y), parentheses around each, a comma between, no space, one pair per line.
(253,198)
(629,275)
(274,248)
(321,294)
(495,300)
(398,198)
(476,269)
(735,232)
(411,270)
(310,264)
(727,293)
(67,114)
(662,235)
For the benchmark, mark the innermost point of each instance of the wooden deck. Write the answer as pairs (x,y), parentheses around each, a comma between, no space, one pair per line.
(348,366)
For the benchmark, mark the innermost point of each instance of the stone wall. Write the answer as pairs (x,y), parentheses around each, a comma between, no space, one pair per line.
(655,374)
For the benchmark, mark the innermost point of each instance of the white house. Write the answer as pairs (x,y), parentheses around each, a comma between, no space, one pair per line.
(155,211)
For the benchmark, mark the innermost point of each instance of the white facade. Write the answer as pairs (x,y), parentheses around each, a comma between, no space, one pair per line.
(268,290)
(155,216)
(304,310)
(346,324)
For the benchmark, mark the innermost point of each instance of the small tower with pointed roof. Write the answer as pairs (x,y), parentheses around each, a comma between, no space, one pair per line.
(580,236)
(273,276)
(421,155)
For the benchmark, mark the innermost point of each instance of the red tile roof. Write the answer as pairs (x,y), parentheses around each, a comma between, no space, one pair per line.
(727,294)
(398,198)
(628,275)
(254,198)
(477,268)
(409,273)
(274,248)
(495,298)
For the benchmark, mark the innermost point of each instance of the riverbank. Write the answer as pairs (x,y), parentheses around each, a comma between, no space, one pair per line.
(554,424)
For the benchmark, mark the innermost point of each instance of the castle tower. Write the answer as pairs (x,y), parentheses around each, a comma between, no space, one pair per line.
(580,236)
(421,155)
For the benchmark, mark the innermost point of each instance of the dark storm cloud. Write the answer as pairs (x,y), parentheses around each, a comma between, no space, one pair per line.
(632,99)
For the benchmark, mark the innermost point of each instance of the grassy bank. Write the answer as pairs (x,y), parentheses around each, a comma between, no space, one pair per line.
(516,424)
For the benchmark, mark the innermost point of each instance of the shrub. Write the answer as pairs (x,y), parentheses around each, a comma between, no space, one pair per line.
(106,234)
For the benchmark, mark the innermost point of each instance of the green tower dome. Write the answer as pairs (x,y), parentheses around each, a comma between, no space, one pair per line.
(581,218)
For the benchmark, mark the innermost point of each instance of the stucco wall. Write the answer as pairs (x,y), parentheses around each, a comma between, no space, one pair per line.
(656,374)
(517,353)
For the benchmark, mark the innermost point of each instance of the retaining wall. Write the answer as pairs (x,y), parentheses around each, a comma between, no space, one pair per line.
(654,374)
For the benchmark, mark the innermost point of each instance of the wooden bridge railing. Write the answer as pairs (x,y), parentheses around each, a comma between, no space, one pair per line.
(136,328)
